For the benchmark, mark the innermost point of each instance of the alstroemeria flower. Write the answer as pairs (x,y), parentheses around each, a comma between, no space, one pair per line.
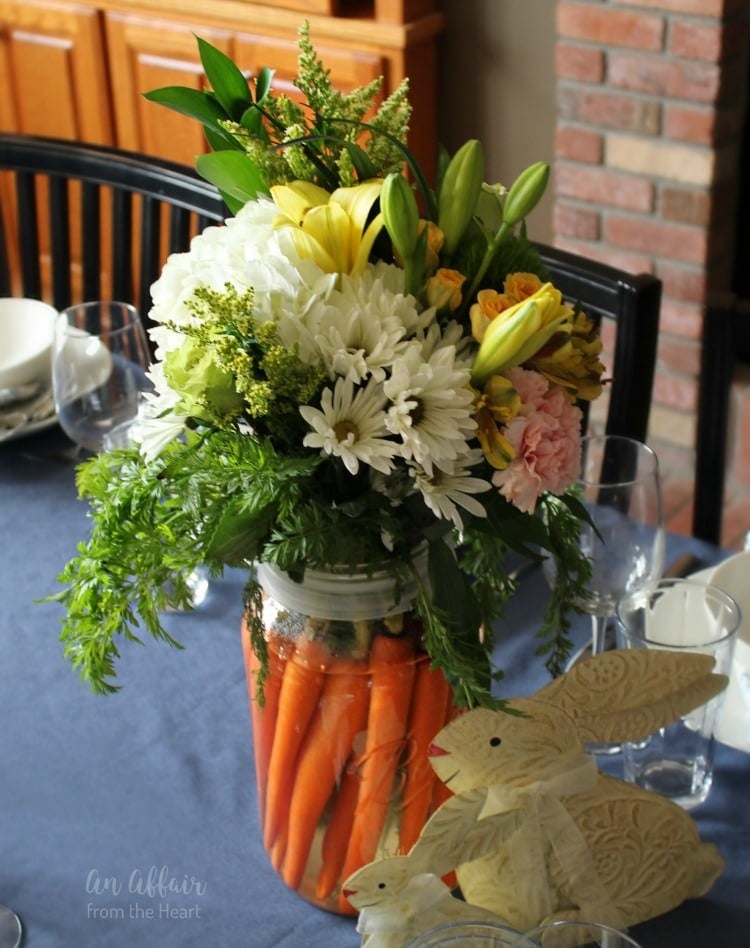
(497,404)
(330,229)
(516,334)
(571,358)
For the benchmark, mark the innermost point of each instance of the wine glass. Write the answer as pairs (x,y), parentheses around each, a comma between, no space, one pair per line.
(10,928)
(620,488)
(100,356)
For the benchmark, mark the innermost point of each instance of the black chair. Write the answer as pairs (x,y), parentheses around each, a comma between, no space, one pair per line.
(633,302)
(725,340)
(85,222)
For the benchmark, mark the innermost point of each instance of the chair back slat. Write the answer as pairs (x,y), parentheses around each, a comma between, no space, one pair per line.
(28,234)
(90,237)
(633,303)
(125,214)
(59,249)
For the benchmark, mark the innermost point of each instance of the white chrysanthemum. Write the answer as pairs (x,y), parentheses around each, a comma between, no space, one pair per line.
(445,491)
(431,407)
(351,425)
(450,335)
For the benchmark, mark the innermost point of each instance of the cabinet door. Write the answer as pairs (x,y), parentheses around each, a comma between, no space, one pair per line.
(148,53)
(53,72)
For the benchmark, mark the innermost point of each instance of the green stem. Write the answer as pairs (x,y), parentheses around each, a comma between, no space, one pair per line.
(503,231)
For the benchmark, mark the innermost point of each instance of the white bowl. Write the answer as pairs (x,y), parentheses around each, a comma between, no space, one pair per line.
(26,331)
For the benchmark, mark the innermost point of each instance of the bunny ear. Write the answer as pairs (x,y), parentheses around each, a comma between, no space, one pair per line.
(627,694)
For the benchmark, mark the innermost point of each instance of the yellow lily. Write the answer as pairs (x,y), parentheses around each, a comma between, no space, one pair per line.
(330,229)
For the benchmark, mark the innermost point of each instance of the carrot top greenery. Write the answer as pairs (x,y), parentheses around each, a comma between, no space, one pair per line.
(357,364)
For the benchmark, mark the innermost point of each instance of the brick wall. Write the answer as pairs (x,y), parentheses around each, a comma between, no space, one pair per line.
(651,105)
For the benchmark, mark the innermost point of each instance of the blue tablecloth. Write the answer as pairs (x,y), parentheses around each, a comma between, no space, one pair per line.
(131,819)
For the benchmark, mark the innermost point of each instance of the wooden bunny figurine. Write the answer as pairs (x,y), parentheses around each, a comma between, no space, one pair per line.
(570,842)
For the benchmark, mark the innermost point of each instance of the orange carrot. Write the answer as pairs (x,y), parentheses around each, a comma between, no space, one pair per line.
(341,715)
(392,677)
(427,716)
(263,719)
(336,836)
(301,687)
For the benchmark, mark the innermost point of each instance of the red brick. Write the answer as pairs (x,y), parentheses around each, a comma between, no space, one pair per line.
(694,40)
(681,318)
(673,241)
(688,284)
(674,391)
(576,222)
(679,355)
(707,8)
(579,144)
(609,26)
(659,76)
(614,256)
(685,205)
(609,109)
(690,123)
(602,186)
(579,62)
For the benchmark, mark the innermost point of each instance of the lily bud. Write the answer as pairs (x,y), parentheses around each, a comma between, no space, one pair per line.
(459,192)
(400,214)
(525,193)
(518,333)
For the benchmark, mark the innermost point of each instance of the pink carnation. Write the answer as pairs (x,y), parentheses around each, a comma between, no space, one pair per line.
(546,437)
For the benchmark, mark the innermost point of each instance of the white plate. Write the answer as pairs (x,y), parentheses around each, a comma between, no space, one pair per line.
(27,429)
(33,423)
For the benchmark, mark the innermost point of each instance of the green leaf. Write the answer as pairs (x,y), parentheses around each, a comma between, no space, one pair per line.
(221,140)
(263,84)
(252,120)
(234,174)
(190,102)
(226,79)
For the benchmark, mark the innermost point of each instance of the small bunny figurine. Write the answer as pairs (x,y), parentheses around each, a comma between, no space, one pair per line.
(397,901)
(570,842)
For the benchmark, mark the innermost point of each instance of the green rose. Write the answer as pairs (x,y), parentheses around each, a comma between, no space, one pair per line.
(207,391)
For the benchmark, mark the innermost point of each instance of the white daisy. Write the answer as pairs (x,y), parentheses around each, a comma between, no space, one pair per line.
(431,407)
(351,425)
(445,491)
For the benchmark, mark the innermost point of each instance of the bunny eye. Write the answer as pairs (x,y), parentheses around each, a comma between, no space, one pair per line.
(381,885)
(495,741)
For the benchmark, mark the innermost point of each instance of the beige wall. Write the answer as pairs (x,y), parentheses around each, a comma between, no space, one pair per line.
(497,83)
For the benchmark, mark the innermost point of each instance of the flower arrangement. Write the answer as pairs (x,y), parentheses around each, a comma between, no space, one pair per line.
(355,364)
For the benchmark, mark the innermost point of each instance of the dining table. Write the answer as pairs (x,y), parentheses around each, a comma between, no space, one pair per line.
(131,819)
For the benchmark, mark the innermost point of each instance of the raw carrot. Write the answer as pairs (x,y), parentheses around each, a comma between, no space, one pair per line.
(441,793)
(301,688)
(426,717)
(336,836)
(341,715)
(263,719)
(391,681)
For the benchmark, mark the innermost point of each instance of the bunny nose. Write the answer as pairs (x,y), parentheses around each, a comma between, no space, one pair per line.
(347,892)
(435,750)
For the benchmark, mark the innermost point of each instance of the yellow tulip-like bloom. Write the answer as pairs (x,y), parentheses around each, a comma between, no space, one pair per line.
(517,333)
(497,404)
(520,286)
(443,289)
(331,229)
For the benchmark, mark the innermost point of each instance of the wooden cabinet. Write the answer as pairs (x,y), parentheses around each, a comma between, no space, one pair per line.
(53,73)
(78,69)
